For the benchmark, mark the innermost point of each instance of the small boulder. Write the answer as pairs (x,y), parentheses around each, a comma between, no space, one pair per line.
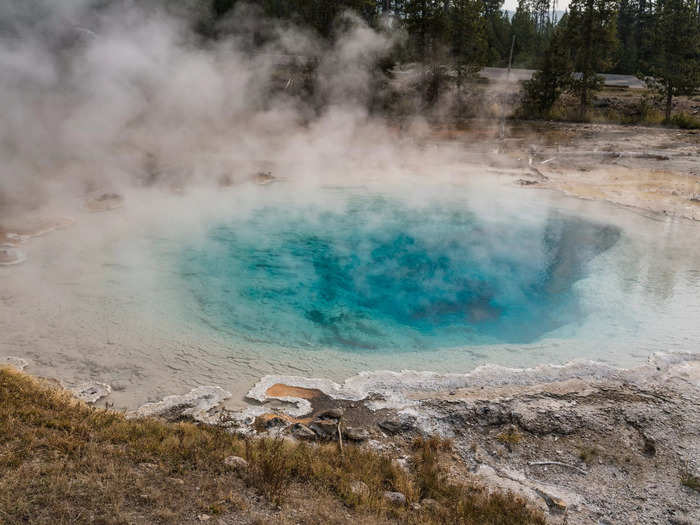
(359,488)
(119,386)
(92,391)
(402,463)
(196,405)
(356,434)
(557,504)
(268,422)
(301,431)
(333,413)
(236,462)
(394,427)
(325,428)
(522,182)
(395,498)
(431,505)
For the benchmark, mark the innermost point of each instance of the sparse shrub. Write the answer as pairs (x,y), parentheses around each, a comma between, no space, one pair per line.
(685,121)
(588,454)
(429,477)
(690,481)
(645,108)
(269,466)
(510,437)
(468,503)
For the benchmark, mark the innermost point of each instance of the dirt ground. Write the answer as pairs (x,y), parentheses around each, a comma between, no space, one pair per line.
(582,449)
(654,169)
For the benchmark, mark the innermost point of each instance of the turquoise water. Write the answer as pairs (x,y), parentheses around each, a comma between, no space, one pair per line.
(376,273)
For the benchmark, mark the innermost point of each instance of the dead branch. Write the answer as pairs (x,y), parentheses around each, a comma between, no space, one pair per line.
(538,463)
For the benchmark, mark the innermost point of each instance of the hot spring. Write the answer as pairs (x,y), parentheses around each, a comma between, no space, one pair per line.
(376,274)
(327,281)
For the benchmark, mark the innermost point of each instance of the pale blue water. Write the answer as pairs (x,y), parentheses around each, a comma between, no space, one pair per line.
(378,274)
(422,273)
(440,274)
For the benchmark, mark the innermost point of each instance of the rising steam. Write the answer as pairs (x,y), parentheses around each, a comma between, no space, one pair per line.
(105,99)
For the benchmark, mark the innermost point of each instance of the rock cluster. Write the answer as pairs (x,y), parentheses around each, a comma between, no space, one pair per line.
(196,405)
(236,462)
(395,498)
(324,426)
(92,391)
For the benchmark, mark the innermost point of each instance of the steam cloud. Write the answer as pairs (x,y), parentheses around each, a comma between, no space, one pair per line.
(130,95)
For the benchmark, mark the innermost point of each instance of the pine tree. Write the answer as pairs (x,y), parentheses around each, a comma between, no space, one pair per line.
(627,27)
(497,31)
(553,76)
(524,29)
(591,35)
(468,36)
(425,21)
(674,68)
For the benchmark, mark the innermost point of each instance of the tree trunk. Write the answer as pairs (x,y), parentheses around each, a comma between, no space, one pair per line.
(669,98)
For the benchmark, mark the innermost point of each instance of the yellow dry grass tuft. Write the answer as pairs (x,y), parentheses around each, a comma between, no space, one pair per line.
(64,462)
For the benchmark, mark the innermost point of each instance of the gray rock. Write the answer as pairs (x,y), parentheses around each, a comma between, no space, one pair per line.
(119,386)
(395,498)
(333,413)
(402,463)
(431,505)
(92,391)
(300,431)
(356,434)
(275,422)
(488,413)
(325,429)
(359,488)
(237,462)
(557,420)
(194,405)
(395,427)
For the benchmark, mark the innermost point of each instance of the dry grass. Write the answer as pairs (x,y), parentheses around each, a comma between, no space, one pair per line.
(588,454)
(510,437)
(64,462)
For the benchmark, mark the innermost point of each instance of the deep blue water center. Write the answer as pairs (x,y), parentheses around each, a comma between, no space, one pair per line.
(379,274)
